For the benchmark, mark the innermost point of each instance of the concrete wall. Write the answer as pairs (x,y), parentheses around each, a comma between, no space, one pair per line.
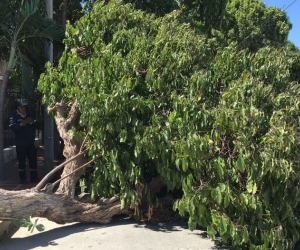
(10,153)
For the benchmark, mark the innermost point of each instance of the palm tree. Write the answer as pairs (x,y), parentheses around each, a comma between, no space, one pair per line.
(25,23)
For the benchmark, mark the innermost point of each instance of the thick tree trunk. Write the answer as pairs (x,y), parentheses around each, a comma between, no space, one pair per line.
(62,208)
(56,207)
(67,119)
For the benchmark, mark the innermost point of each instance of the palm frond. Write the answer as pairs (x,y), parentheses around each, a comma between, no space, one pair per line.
(24,58)
(6,30)
(28,83)
(29,8)
(40,27)
(50,30)
(31,23)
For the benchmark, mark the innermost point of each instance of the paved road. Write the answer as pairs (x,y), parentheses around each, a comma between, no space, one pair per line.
(120,234)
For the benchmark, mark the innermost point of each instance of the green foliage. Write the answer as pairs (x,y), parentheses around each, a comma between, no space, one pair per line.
(208,14)
(247,23)
(157,7)
(251,152)
(27,222)
(159,97)
(253,25)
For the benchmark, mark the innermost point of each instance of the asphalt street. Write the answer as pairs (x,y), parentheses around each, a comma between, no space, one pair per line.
(120,234)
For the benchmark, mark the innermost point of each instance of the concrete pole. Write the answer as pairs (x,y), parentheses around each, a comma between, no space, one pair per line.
(48,120)
(2,165)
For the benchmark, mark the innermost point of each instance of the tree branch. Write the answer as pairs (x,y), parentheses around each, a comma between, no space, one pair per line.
(85,138)
(51,186)
(41,184)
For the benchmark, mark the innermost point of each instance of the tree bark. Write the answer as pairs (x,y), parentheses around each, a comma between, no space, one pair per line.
(61,207)
(56,207)
(67,119)
(63,14)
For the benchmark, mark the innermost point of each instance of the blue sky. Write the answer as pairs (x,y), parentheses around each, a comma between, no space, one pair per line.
(293,13)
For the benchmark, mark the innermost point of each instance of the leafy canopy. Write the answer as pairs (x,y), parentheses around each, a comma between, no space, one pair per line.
(160,96)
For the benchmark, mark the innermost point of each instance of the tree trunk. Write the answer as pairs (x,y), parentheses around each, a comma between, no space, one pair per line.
(56,207)
(61,207)
(67,119)
(63,13)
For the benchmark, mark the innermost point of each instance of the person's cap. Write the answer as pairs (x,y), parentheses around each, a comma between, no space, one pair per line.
(22,102)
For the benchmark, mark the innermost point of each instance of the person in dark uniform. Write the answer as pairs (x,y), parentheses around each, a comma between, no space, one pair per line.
(24,126)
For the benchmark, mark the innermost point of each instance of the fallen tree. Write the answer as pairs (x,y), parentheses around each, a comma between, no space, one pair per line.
(62,206)
(56,207)
(163,102)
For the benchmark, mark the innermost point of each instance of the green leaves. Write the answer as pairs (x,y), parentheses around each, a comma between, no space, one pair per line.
(217,196)
(250,23)
(251,187)
(240,163)
(27,222)
(184,164)
(158,97)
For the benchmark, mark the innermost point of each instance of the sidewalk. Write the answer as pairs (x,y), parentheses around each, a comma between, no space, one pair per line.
(11,182)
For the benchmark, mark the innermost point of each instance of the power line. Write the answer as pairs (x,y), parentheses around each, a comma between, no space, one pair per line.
(290,4)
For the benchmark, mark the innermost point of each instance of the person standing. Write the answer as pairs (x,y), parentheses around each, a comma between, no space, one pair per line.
(24,126)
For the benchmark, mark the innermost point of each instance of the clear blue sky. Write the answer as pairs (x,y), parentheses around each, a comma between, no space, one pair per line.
(293,12)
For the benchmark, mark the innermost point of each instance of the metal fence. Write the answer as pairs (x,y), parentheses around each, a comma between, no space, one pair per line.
(9,107)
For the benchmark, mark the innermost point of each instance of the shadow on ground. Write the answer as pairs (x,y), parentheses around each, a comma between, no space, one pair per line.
(121,233)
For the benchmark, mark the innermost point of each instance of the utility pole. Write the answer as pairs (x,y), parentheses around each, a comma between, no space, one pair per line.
(48,120)
(2,70)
